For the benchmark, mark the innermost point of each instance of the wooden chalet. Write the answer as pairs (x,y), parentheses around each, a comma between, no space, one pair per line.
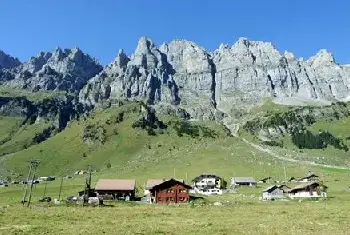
(153,182)
(308,190)
(170,191)
(116,189)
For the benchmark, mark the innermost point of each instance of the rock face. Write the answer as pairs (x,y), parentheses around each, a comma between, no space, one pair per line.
(60,110)
(67,70)
(182,73)
(7,61)
(183,76)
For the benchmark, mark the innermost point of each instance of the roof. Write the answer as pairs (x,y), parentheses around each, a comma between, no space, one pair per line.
(270,189)
(283,186)
(204,176)
(171,181)
(244,179)
(304,186)
(267,178)
(153,182)
(308,176)
(115,184)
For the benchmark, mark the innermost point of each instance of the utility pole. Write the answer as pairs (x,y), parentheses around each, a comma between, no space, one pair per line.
(87,186)
(59,194)
(45,189)
(26,185)
(34,164)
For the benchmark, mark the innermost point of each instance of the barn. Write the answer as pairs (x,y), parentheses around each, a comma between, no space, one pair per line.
(170,191)
(116,189)
(243,181)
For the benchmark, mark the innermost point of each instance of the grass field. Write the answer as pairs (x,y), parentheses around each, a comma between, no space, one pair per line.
(240,213)
(6,91)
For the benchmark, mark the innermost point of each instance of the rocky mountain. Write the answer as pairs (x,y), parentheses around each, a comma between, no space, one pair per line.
(7,61)
(59,110)
(184,77)
(67,70)
(183,74)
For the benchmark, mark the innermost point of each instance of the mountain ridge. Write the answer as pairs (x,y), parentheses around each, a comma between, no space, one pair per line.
(182,74)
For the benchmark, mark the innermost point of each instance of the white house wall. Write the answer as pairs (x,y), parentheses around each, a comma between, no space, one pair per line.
(304,194)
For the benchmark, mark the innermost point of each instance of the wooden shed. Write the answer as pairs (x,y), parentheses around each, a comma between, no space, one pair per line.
(170,191)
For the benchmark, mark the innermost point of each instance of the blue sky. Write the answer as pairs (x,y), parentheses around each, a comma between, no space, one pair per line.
(102,27)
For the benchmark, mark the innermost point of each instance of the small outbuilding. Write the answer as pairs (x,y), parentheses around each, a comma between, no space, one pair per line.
(308,190)
(272,193)
(170,191)
(243,181)
(116,189)
(265,180)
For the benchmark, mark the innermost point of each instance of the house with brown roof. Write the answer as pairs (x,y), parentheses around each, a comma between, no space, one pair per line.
(116,189)
(170,191)
(308,190)
(153,182)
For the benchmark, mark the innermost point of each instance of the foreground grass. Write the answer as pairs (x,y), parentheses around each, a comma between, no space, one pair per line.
(236,217)
(240,213)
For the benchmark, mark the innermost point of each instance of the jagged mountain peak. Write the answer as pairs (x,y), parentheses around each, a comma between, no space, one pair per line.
(323,57)
(181,72)
(144,45)
(7,61)
(62,69)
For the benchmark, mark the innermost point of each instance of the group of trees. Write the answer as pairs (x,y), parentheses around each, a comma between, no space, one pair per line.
(306,139)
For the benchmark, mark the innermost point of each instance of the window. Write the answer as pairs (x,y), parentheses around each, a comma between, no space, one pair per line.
(167,199)
(181,199)
(159,199)
(171,199)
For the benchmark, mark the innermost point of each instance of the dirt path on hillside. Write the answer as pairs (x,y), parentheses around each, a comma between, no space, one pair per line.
(234,128)
(276,155)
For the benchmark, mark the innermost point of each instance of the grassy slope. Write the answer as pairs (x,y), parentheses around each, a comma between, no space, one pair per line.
(6,91)
(330,155)
(134,154)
